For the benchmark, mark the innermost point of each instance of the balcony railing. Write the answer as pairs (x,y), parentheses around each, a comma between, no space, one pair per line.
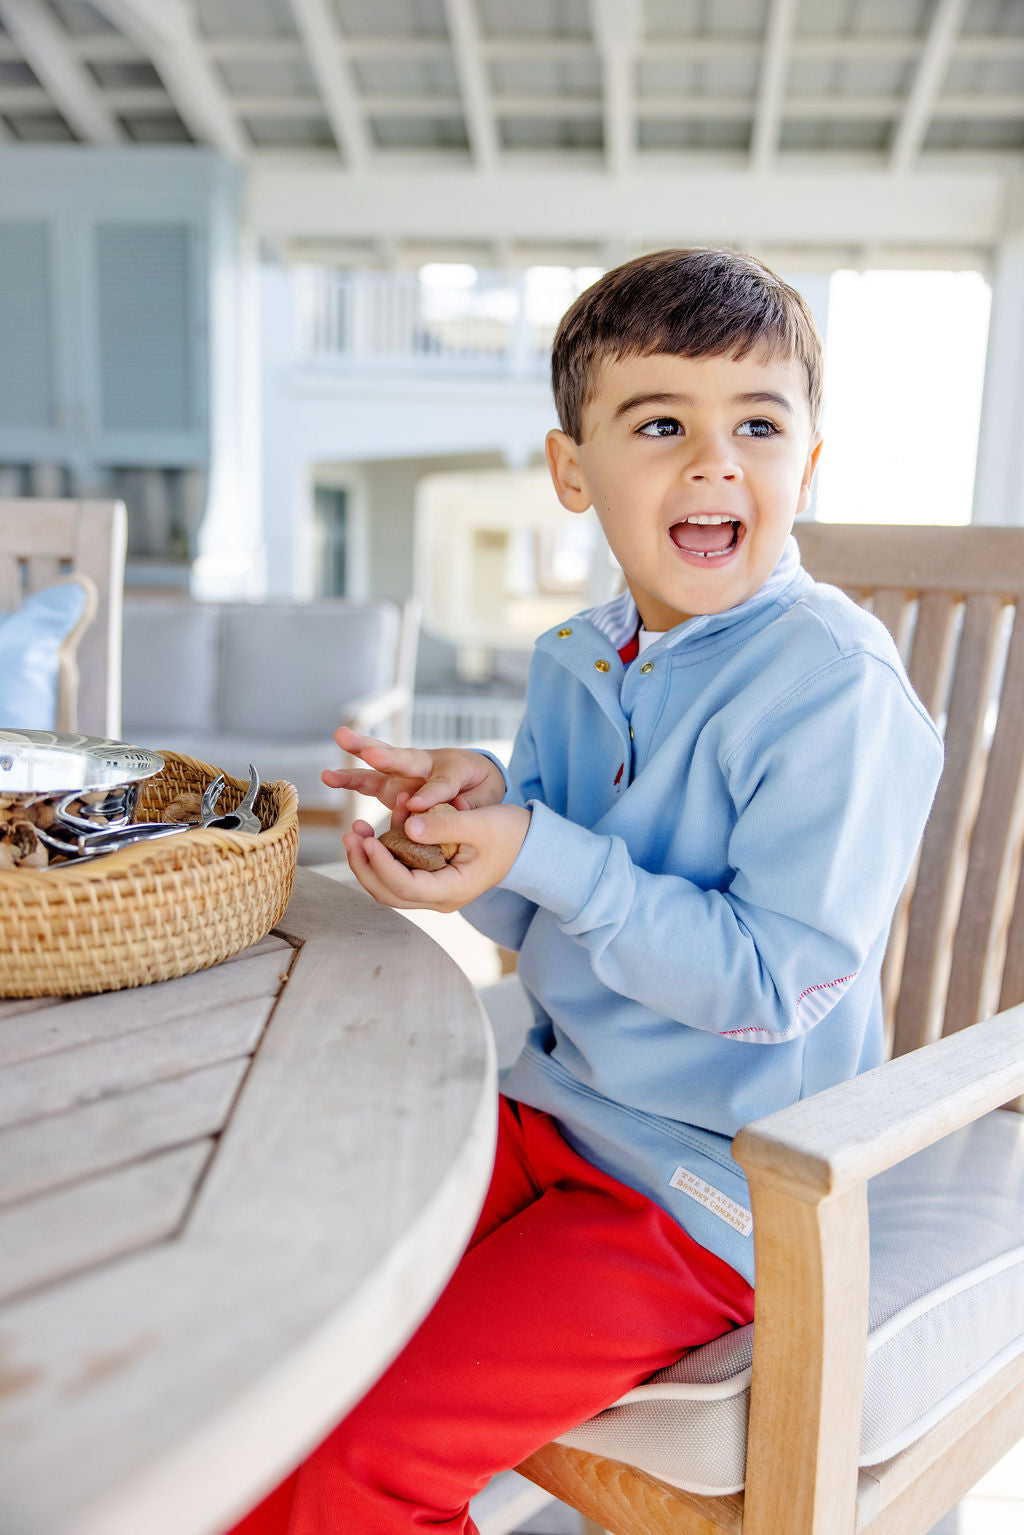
(450,318)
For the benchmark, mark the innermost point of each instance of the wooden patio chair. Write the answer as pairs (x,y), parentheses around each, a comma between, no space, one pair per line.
(952,599)
(40,541)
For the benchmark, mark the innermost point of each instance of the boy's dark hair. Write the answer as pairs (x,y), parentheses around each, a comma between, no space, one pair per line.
(693,303)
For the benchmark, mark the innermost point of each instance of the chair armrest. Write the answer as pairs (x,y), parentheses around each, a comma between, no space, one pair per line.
(808,1167)
(362,713)
(844,1135)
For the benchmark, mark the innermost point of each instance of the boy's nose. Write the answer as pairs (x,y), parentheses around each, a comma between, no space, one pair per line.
(711,460)
(709,468)
(709,475)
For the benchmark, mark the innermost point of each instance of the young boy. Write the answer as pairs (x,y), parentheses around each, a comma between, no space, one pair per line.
(711,808)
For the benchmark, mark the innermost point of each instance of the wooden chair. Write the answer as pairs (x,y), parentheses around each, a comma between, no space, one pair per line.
(39,542)
(952,599)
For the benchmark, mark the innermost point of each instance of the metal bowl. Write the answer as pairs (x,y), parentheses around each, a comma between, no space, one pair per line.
(46,767)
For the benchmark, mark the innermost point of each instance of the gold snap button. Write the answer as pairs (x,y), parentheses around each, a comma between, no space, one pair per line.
(648,666)
(564,633)
(602,666)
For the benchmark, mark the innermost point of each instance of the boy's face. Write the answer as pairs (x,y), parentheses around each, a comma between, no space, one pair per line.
(668,439)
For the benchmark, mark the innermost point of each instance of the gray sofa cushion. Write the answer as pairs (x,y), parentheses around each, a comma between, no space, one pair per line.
(169,664)
(288,670)
(947,1312)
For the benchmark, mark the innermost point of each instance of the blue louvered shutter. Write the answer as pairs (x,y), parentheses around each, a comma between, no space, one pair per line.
(26,329)
(146,327)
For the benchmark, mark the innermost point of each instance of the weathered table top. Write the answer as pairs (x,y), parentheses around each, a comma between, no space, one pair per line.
(225,1202)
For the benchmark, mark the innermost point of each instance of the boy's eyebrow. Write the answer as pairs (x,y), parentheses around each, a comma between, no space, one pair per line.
(754,397)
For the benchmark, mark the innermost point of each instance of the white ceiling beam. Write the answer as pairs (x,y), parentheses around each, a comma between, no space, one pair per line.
(396,46)
(692,108)
(988,46)
(978,45)
(165,32)
(154,101)
(471,72)
(256,46)
(541,45)
(505,106)
(408,105)
(333,76)
(281,106)
(110,46)
(824,46)
(24,98)
(72,89)
(805,205)
(772,84)
(104,48)
(148,100)
(617,25)
(1001,105)
(549,106)
(931,71)
(739,108)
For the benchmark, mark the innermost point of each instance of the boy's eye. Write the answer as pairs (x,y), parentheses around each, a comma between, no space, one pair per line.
(757,427)
(663,426)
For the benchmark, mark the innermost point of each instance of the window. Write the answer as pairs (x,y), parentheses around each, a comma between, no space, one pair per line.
(905,362)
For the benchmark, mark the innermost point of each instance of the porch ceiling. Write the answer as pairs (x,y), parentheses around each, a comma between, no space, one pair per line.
(592,88)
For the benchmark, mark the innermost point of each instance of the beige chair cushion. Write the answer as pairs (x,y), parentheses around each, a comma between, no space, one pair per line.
(947,1312)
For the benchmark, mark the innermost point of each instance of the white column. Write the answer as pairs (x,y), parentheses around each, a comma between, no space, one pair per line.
(284,474)
(999,477)
(230,556)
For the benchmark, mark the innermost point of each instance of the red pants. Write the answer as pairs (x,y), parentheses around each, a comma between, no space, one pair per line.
(573,1289)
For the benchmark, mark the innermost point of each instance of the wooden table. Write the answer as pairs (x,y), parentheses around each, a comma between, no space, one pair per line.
(225,1202)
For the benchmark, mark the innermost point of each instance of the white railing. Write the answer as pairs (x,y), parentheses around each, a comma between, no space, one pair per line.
(460,318)
(458,720)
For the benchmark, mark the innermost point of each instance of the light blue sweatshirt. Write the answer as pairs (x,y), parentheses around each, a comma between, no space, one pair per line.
(719,834)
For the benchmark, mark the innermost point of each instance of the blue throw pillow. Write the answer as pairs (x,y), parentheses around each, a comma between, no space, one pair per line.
(30,642)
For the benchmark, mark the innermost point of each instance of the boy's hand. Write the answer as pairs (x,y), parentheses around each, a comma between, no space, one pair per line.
(489,842)
(465,779)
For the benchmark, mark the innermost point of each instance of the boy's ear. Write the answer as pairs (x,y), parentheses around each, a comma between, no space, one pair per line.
(563,456)
(804,498)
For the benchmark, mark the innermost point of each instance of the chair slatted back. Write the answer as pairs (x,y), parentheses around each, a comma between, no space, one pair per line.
(953,599)
(42,540)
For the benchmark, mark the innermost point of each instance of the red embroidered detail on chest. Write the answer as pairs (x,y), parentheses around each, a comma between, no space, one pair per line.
(618,776)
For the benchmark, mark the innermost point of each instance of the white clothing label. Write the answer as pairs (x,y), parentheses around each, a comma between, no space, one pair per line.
(713,1199)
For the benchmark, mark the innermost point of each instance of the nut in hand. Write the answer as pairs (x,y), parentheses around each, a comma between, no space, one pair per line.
(431,856)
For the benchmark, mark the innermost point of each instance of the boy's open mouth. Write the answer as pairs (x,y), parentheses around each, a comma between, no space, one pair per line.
(708,536)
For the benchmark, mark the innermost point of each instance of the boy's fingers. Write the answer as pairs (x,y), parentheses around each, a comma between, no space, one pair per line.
(362,780)
(403,761)
(364,871)
(439,789)
(399,810)
(440,826)
(398,885)
(352,741)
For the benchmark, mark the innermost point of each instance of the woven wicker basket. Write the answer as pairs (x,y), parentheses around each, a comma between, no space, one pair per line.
(156,909)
